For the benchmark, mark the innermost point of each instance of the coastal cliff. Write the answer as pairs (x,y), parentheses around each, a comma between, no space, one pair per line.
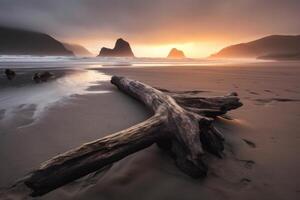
(22,42)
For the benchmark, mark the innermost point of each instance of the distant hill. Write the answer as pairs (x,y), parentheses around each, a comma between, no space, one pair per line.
(175,53)
(22,42)
(263,48)
(78,50)
(122,49)
(291,56)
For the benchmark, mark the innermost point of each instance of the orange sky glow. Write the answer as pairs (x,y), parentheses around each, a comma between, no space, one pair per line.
(153,27)
(192,49)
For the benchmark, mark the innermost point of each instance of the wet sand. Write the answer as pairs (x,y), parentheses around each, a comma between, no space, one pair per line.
(263,142)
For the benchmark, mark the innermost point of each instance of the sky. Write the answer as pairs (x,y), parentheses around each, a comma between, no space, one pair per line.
(153,27)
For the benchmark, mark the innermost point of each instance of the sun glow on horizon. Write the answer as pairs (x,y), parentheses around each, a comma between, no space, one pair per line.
(191,49)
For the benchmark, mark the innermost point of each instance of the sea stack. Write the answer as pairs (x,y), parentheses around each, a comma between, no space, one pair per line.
(175,53)
(122,49)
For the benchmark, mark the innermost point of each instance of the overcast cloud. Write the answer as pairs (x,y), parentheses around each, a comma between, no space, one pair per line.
(154,21)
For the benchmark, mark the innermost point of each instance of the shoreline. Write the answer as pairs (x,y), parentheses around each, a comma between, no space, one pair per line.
(22,96)
(269,172)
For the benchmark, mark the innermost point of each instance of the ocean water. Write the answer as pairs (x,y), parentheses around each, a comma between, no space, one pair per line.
(23,98)
(91,62)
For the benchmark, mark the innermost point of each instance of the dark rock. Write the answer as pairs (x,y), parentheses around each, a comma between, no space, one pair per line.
(42,76)
(121,49)
(22,42)
(10,74)
(175,53)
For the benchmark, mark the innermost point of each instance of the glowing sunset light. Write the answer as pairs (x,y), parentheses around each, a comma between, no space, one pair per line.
(191,49)
(199,28)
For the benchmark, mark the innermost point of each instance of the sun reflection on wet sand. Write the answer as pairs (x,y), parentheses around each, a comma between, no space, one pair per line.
(32,100)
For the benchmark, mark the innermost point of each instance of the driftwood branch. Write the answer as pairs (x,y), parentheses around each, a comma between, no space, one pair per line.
(181,124)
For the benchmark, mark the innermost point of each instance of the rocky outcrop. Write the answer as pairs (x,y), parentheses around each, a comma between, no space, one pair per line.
(22,42)
(262,48)
(42,76)
(175,53)
(10,74)
(121,49)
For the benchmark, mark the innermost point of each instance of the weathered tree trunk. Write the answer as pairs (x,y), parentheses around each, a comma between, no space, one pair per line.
(179,124)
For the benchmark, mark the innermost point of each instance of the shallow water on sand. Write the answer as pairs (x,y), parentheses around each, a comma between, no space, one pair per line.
(24,102)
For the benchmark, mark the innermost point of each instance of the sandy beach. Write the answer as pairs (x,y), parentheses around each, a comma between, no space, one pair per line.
(262,137)
(149,100)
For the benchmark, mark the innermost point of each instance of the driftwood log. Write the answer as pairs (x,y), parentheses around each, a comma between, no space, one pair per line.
(181,124)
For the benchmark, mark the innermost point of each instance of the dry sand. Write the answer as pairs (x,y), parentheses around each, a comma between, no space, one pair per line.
(263,141)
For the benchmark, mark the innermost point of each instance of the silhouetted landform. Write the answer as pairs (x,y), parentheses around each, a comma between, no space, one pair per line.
(292,56)
(175,53)
(22,42)
(121,49)
(280,46)
(78,50)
